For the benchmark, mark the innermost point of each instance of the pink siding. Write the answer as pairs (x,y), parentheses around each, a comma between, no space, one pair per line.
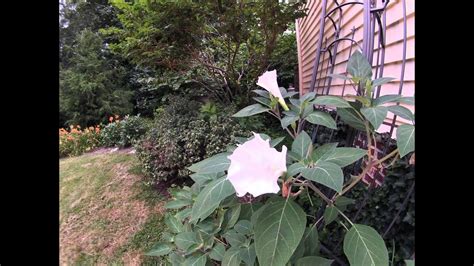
(307,30)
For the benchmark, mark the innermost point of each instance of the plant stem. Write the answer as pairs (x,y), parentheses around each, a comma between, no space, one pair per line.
(405,202)
(315,189)
(343,215)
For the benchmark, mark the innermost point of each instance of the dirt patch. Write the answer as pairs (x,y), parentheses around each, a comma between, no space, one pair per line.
(111,150)
(109,219)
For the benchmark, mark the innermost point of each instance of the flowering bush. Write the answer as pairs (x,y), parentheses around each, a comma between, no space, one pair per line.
(247,205)
(123,132)
(76,141)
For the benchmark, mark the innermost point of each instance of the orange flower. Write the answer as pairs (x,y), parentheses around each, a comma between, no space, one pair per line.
(117,116)
(78,126)
(111,119)
(71,126)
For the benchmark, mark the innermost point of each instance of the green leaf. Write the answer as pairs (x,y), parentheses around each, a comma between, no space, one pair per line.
(381,81)
(231,257)
(217,252)
(323,152)
(295,169)
(231,216)
(202,179)
(196,260)
(330,214)
(321,118)
(243,227)
(405,139)
(343,201)
(278,231)
(410,262)
(276,141)
(234,239)
(183,214)
(364,246)
(185,240)
(331,101)
(251,110)
(248,255)
(215,164)
(263,100)
(160,249)
(173,223)
(308,109)
(375,115)
(177,204)
(358,66)
(302,145)
(262,93)
(308,96)
(407,100)
(210,197)
(248,210)
(288,120)
(350,117)
(290,94)
(339,76)
(176,259)
(314,261)
(386,99)
(311,241)
(401,111)
(345,156)
(326,173)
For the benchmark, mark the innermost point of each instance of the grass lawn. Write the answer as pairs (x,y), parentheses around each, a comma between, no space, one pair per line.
(108,216)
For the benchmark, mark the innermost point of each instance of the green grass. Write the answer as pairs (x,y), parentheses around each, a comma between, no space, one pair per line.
(102,197)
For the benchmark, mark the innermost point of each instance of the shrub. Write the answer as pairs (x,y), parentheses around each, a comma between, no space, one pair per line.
(123,133)
(181,136)
(76,141)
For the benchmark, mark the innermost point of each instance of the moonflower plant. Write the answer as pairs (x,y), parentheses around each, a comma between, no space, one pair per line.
(268,81)
(255,167)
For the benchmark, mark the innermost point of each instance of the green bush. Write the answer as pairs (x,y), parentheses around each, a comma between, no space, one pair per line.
(181,136)
(123,133)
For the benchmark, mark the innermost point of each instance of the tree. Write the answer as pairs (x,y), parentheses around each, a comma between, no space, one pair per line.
(93,87)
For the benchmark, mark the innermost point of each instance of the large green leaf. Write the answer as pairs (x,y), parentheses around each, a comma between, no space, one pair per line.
(330,214)
(288,120)
(314,261)
(196,260)
(210,197)
(302,145)
(278,231)
(231,216)
(350,117)
(331,101)
(358,66)
(184,240)
(345,156)
(263,100)
(326,173)
(311,241)
(308,96)
(234,239)
(243,227)
(322,152)
(321,118)
(295,169)
(231,257)
(248,254)
(177,204)
(262,93)
(202,179)
(386,99)
(215,164)
(407,100)
(251,110)
(217,252)
(160,249)
(364,246)
(401,111)
(181,215)
(381,81)
(375,115)
(405,139)
(173,223)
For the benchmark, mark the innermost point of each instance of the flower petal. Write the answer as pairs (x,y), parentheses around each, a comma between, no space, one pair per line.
(268,81)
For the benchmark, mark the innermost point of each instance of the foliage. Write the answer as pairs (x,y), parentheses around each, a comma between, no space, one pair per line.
(93,88)
(123,133)
(179,137)
(213,224)
(76,141)
(224,46)
(285,58)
